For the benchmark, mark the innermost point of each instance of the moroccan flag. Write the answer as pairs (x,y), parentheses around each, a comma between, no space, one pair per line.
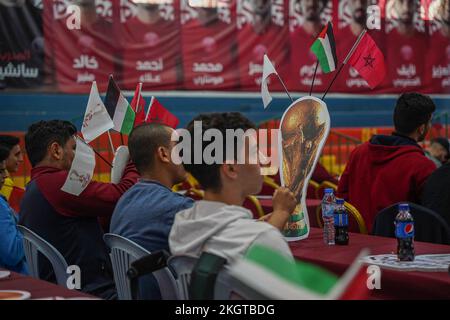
(138,105)
(324,49)
(119,109)
(276,276)
(368,60)
(157,113)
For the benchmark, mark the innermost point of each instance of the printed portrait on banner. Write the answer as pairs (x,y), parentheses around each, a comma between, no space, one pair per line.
(262,29)
(151,44)
(306,20)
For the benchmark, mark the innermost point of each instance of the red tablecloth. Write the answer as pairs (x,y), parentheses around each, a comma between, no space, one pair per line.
(394,284)
(38,288)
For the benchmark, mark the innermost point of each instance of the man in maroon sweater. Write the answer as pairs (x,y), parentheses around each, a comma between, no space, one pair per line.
(390,169)
(70,223)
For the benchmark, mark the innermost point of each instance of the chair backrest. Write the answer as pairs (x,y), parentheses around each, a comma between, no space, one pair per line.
(428,225)
(226,286)
(34,244)
(123,253)
(352,211)
(183,266)
(229,288)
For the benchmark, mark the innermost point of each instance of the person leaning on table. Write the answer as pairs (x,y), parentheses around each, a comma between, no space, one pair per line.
(12,256)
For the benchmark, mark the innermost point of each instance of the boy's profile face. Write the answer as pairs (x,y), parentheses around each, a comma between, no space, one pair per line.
(249,173)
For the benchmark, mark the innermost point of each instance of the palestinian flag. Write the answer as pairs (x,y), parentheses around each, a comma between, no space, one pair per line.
(324,49)
(119,109)
(275,276)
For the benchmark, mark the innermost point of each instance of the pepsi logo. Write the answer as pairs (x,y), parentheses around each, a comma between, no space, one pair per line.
(409,228)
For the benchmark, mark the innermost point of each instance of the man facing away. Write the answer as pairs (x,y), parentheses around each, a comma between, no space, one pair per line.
(390,169)
(146,211)
(219,224)
(68,222)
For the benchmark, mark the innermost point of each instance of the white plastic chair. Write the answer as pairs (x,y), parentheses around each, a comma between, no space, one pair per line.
(227,287)
(34,244)
(183,266)
(123,253)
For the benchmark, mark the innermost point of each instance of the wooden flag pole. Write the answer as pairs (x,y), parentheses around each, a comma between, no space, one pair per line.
(149,107)
(110,142)
(285,89)
(314,78)
(355,45)
(138,98)
(96,152)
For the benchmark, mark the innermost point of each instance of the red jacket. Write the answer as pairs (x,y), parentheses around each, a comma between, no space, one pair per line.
(97,200)
(386,170)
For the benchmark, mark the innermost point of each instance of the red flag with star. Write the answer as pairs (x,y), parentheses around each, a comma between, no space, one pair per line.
(157,113)
(368,60)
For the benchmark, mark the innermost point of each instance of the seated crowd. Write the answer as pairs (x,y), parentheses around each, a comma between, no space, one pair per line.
(143,207)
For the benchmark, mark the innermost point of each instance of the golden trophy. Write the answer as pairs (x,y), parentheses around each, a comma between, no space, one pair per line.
(304,129)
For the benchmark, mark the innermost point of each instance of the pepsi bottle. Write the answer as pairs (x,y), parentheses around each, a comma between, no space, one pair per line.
(404,232)
(340,223)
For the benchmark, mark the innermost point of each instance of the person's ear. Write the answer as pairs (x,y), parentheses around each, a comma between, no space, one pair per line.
(163,154)
(55,150)
(229,170)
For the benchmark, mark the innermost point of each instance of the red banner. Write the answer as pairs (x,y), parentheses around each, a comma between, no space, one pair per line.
(219,44)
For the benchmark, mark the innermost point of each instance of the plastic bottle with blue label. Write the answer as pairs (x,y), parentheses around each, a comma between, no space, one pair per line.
(341,223)
(328,204)
(404,232)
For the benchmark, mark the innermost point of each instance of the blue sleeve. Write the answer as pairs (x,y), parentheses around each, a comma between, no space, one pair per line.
(11,246)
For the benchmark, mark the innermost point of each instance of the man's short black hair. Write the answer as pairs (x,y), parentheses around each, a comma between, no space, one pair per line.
(412,111)
(209,174)
(4,153)
(8,141)
(42,134)
(143,143)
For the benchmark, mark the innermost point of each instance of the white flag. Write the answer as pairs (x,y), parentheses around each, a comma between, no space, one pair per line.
(268,69)
(96,118)
(82,169)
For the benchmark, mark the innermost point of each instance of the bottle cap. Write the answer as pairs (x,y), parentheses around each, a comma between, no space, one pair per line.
(340,201)
(328,190)
(403,207)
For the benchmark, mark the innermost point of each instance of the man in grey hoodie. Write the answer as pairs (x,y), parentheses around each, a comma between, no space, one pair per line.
(219,224)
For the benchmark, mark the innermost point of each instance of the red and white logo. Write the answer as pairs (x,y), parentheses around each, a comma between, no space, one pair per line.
(407,52)
(209,44)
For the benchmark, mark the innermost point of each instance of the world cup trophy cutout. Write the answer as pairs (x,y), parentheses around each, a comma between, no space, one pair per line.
(304,128)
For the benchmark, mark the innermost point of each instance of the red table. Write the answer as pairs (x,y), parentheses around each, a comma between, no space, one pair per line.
(39,288)
(394,284)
